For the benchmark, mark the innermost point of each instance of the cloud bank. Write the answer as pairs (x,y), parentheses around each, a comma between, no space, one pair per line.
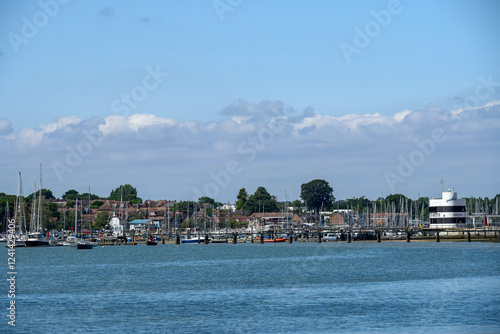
(267,144)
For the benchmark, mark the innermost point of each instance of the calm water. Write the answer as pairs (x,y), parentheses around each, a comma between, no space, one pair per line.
(393,287)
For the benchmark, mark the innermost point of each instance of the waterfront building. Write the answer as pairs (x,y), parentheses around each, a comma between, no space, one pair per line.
(448,211)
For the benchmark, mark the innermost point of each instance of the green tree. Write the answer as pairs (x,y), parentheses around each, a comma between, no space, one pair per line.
(4,198)
(129,194)
(86,196)
(47,194)
(297,206)
(71,194)
(206,199)
(242,198)
(101,220)
(261,200)
(96,204)
(316,194)
(182,206)
(209,211)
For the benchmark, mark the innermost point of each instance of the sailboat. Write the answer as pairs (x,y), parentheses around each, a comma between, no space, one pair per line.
(82,243)
(36,237)
(3,237)
(19,218)
(150,241)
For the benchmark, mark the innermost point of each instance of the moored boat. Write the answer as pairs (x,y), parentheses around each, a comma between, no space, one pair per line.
(192,240)
(282,239)
(36,240)
(84,244)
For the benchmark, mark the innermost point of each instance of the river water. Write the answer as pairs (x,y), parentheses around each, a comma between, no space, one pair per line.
(360,287)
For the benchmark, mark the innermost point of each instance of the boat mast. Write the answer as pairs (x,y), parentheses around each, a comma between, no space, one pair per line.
(20,208)
(34,216)
(76,217)
(89,216)
(7,216)
(39,220)
(286,211)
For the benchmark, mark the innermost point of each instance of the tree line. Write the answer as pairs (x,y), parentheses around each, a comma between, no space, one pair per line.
(316,195)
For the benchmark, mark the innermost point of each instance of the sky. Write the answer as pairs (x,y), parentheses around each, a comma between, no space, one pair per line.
(185,98)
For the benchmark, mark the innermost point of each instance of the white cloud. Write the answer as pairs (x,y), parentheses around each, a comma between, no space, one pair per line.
(5,127)
(400,116)
(353,150)
(118,124)
(34,136)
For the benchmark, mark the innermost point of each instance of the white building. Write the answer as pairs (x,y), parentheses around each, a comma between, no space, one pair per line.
(448,211)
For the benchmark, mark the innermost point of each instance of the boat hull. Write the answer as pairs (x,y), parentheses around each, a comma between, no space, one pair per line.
(37,243)
(84,246)
(276,240)
(190,241)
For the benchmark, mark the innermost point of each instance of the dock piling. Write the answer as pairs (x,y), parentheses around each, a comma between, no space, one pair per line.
(437,236)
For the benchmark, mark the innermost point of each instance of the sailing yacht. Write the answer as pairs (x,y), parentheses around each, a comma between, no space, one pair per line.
(19,218)
(81,244)
(36,238)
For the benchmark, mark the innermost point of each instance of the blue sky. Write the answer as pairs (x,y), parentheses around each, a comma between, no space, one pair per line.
(175,90)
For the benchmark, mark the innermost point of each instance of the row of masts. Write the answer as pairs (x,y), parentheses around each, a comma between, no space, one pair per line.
(36,219)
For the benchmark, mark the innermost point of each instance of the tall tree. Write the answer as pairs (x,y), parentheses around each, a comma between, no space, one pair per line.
(297,206)
(242,198)
(101,220)
(317,193)
(129,194)
(261,200)
(71,194)
(206,199)
(47,194)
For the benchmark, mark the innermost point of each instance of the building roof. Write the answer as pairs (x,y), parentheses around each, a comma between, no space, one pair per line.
(139,222)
